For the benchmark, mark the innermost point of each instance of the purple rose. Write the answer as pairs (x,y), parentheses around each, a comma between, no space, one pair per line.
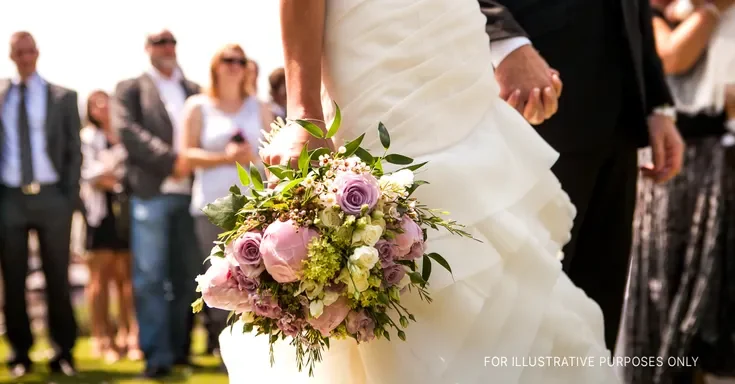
(220,288)
(247,284)
(386,252)
(361,326)
(393,274)
(284,248)
(290,325)
(267,306)
(246,251)
(410,235)
(356,190)
(417,251)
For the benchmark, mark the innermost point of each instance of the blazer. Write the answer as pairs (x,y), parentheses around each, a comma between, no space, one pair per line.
(565,33)
(146,130)
(62,135)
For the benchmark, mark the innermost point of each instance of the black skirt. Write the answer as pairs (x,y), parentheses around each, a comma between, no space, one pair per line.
(681,299)
(109,234)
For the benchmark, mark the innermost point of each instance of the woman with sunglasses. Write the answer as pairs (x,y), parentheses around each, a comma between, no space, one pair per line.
(221,127)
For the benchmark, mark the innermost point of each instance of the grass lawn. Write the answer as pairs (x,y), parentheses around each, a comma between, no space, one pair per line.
(94,371)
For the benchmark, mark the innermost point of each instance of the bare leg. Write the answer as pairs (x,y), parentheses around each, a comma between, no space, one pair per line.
(128,335)
(98,296)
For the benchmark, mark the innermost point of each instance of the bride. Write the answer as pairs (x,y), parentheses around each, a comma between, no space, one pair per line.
(423,68)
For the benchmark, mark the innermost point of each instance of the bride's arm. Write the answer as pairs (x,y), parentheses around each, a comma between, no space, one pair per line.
(302,29)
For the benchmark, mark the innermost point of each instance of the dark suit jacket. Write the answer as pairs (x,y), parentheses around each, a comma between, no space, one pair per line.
(146,131)
(574,36)
(62,135)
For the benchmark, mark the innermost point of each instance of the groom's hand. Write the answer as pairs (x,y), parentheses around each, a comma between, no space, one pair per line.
(528,84)
(667,148)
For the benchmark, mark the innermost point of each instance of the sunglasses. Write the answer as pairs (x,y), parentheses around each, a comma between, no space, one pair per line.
(162,41)
(235,60)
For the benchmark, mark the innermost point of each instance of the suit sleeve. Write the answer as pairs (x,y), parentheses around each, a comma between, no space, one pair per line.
(500,23)
(144,149)
(657,90)
(73,156)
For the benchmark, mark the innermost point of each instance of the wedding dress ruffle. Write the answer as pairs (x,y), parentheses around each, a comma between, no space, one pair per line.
(422,67)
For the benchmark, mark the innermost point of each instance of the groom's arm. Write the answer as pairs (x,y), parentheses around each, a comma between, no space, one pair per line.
(506,35)
(657,90)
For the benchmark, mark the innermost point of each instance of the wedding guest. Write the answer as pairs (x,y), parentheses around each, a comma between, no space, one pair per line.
(681,289)
(254,70)
(221,127)
(147,111)
(40,162)
(277,82)
(106,207)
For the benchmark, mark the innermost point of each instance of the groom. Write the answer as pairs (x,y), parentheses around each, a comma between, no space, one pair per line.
(615,101)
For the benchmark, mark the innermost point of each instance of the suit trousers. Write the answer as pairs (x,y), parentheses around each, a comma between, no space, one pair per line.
(602,185)
(49,213)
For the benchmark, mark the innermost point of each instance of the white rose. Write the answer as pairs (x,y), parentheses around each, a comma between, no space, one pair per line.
(372,234)
(365,257)
(330,297)
(404,178)
(316,308)
(312,288)
(359,279)
(247,317)
(330,218)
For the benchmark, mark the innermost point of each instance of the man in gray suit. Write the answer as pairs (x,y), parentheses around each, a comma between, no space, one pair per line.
(40,160)
(147,112)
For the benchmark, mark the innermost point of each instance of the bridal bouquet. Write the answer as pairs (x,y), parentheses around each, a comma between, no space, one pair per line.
(326,253)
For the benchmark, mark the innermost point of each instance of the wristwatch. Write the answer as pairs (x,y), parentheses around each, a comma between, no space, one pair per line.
(666,111)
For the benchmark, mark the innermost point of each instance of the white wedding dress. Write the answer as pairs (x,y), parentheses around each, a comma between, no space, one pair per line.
(423,68)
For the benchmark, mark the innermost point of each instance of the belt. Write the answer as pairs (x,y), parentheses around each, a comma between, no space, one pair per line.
(31,189)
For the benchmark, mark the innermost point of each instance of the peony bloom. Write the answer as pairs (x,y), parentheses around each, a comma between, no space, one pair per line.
(220,288)
(246,251)
(331,317)
(356,190)
(284,248)
(361,325)
(411,234)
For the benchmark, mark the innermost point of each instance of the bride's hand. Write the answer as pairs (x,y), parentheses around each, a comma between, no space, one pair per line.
(288,143)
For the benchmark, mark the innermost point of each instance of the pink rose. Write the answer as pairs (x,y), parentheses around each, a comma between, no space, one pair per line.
(361,326)
(284,248)
(332,316)
(220,288)
(411,237)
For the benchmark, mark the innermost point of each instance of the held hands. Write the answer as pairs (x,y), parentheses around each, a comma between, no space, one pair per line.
(667,149)
(182,168)
(529,85)
(239,152)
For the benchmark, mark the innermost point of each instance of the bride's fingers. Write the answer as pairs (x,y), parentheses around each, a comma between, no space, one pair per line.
(533,111)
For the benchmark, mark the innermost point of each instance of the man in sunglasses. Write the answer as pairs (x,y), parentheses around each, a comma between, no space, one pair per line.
(147,112)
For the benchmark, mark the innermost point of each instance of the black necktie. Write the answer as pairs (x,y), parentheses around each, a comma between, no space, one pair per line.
(24,134)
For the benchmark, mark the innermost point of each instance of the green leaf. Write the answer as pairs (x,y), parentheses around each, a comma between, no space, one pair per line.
(384,136)
(255,178)
(415,166)
(398,159)
(279,171)
(235,189)
(416,184)
(439,259)
(334,127)
(352,146)
(365,156)
(243,174)
(304,161)
(247,327)
(426,269)
(310,127)
(291,184)
(223,211)
(314,155)
(416,278)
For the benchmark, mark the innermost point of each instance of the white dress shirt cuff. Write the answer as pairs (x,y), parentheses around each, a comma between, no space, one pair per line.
(501,48)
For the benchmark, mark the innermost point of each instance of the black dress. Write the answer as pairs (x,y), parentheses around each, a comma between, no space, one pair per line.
(681,298)
(109,234)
